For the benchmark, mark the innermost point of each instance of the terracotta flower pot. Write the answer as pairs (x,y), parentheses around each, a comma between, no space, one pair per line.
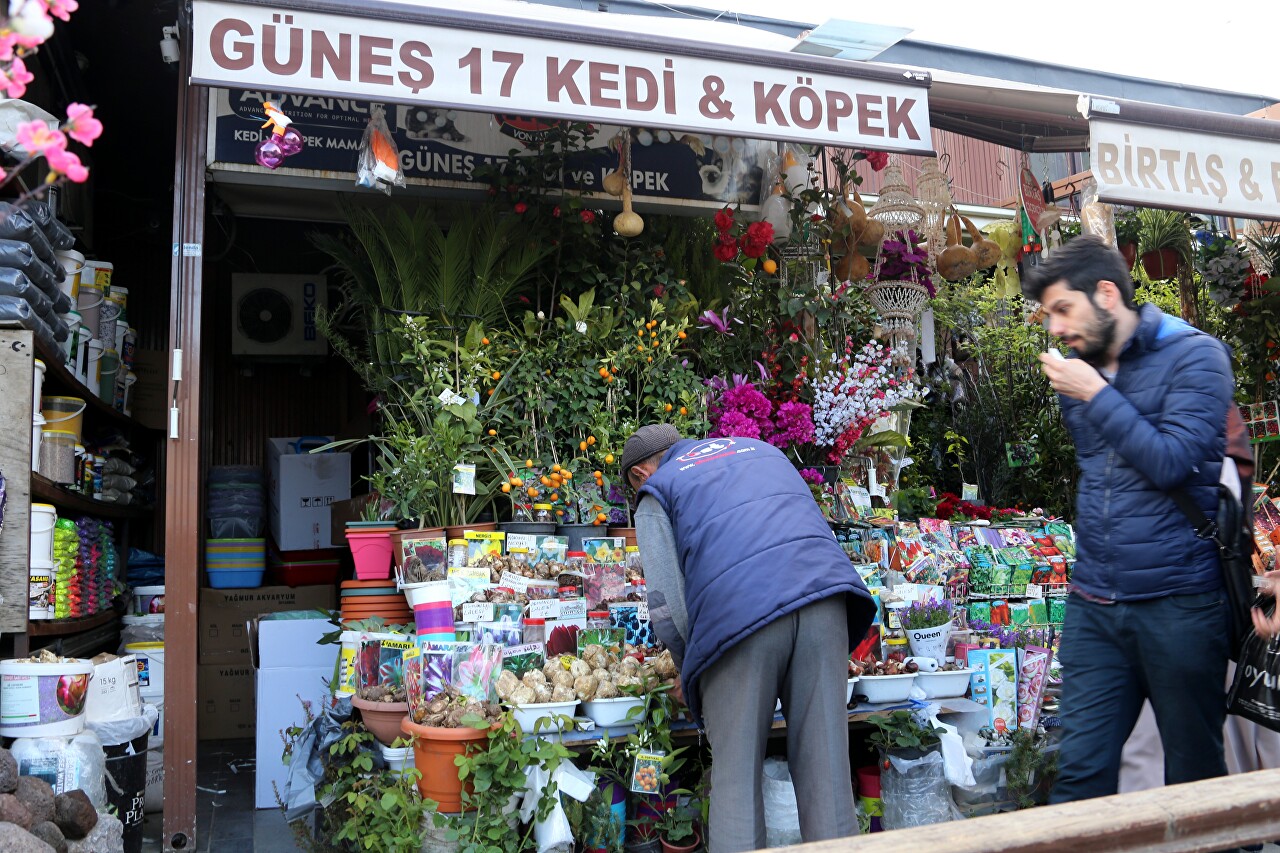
(1161,263)
(628,532)
(1129,251)
(693,844)
(382,718)
(434,750)
(458,531)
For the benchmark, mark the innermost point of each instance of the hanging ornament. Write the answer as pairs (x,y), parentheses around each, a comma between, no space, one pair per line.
(627,223)
(283,142)
(896,209)
(776,210)
(934,190)
(614,183)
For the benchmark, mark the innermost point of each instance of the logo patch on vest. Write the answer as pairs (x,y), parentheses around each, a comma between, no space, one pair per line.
(715,448)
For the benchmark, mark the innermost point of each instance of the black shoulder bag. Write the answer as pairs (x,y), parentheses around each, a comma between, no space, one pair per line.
(1235,546)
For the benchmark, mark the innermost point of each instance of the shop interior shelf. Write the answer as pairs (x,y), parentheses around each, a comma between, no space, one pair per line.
(58,379)
(63,627)
(44,489)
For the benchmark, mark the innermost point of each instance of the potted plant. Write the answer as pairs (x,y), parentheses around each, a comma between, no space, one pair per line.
(520,482)
(676,829)
(1128,229)
(382,702)
(1164,241)
(597,822)
(900,733)
(928,626)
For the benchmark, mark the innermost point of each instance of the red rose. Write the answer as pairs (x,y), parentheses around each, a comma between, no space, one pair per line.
(555,212)
(877,159)
(521,207)
(724,219)
(588,216)
(726,248)
(758,237)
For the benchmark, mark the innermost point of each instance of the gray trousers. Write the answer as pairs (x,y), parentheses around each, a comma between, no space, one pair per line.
(803,660)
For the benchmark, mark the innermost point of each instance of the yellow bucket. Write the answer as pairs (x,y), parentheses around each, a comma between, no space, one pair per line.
(67,412)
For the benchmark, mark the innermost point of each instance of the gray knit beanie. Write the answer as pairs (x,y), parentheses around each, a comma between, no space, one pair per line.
(646,441)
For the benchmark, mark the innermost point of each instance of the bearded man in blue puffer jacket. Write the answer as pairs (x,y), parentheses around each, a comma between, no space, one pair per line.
(1145,396)
(757,603)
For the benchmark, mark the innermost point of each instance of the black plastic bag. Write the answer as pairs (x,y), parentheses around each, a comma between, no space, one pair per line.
(17,224)
(18,312)
(20,256)
(60,236)
(14,283)
(1255,691)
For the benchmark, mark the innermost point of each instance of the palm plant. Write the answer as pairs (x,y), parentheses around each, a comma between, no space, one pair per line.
(396,262)
(1163,229)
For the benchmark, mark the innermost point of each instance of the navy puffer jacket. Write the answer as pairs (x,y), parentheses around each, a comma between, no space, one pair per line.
(1159,425)
(753,546)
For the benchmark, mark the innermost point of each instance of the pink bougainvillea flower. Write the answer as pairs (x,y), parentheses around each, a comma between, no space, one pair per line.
(14,79)
(62,9)
(64,162)
(81,125)
(38,138)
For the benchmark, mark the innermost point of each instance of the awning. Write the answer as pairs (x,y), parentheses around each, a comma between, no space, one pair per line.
(1183,159)
(533,60)
(1021,116)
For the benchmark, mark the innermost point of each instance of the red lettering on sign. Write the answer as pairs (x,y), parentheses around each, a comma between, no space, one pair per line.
(323,53)
(839,105)
(599,84)
(868,110)
(243,57)
(561,80)
(767,105)
(369,59)
(900,118)
(634,77)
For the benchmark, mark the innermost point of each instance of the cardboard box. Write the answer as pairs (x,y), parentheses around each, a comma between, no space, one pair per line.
(290,668)
(226,613)
(340,512)
(150,406)
(301,487)
(225,705)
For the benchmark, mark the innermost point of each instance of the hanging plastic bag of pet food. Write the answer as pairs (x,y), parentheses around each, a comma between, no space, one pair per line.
(378,167)
(1255,692)
(1096,217)
(915,791)
(781,813)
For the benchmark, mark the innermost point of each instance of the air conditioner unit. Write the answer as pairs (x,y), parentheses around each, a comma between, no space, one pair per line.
(274,316)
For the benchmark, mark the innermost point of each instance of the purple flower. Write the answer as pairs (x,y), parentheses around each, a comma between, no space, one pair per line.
(812,476)
(615,495)
(734,423)
(793,425)
(720,322)
(746,399)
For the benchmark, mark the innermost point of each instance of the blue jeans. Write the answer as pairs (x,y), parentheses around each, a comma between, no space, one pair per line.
(1170,650)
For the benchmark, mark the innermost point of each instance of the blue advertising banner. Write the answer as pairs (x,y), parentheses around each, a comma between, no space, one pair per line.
(443,148)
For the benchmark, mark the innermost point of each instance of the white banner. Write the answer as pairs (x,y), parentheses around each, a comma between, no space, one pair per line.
(260,47)
(1185,169)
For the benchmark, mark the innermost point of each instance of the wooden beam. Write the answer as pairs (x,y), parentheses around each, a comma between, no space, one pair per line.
(1216,814)
(17,359)
(182,466)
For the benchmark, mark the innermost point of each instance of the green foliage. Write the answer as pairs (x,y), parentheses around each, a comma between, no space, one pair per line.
(1163,229)
(900,730)
(374,810)
(497,775)
(594,822)
(1031,770)
(989,391)
(1128,228)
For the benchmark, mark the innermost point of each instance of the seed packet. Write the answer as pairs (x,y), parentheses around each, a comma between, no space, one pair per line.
(605,549)
(979,611)
(541,547)
(604,583)
(610,639)
(994,684)
(522,659)
(1019,613)
(1057,610)
(430,550)
(646,772)
(1033,671)
(1039,611)
(636,631)
(504,633)
(476,667)
(1000,612)
(483,544)
(465,582)
(378,662)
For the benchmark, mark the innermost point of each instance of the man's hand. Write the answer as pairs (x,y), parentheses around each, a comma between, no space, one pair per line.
(1267,627)
(1072,377)
(677,692)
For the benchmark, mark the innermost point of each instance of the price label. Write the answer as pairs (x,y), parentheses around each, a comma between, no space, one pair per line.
(574,608)
(544,608)
(477,611)
(1034,590)
(515,582)
(642,611)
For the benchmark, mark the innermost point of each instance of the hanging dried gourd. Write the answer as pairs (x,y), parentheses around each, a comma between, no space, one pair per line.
(986,250)
(614,182)
(957,261)
(852,266)
(628,223)
(872,231)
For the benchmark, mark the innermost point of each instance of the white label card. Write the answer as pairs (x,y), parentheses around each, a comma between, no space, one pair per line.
(1034,590)
(515,582)
(574,608)
(544,608)
(642,611)
(477,611)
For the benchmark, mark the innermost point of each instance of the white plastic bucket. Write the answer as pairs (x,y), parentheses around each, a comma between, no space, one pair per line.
(43,699)
(113,310)
(156,740)
(40,590)
(71,320)
(37,433)
(398,759)
(80,352)
(89,304)
(72,264)
(93,369)
(130,379)
(43,517)
(150,667)
(148,600)
(37,385)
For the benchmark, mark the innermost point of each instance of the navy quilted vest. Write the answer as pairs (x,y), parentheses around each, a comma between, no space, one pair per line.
(1165,428)
(753,546)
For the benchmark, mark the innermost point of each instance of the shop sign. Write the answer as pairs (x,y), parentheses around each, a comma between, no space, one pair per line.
(444,148)
(1187,170)
(258,46)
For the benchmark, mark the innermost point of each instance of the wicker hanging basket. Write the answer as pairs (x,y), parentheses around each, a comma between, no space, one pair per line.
(898,303)
(896,208)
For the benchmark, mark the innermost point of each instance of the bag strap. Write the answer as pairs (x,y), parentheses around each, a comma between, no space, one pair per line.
(1205,527)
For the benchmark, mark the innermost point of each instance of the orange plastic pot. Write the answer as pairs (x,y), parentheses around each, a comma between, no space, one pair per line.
(434,750)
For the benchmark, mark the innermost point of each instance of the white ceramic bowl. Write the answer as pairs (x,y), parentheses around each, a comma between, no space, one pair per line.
(613,712)
(528,715)
(944,685)
(848,693)
(884,689)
